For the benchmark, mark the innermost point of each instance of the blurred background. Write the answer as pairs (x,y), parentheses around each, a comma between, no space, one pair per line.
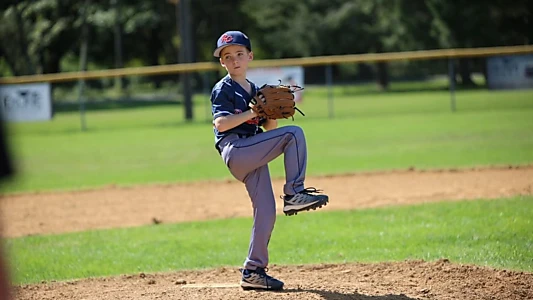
(51,36)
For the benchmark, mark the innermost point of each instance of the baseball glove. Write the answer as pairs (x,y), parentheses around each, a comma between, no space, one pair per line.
(275,101)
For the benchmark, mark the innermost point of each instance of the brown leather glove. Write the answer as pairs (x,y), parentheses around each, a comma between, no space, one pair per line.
(275,101)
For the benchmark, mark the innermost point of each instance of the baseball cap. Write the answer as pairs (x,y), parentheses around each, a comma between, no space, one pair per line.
(232,38)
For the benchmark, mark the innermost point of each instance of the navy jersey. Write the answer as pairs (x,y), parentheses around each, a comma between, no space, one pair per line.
(229,98)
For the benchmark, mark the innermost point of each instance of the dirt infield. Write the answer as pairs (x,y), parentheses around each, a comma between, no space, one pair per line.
(110,207)
(384,281)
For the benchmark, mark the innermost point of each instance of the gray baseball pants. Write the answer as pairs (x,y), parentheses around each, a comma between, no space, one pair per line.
(247,160)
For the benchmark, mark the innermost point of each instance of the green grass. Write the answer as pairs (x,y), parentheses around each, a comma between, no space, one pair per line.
(494,233)
(368,131)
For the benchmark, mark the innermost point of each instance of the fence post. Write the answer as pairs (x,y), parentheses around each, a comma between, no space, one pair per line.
(451,72)
(81,100)
(206,92)
(329,84)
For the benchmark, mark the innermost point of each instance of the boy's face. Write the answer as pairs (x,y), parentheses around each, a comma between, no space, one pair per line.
(235,59)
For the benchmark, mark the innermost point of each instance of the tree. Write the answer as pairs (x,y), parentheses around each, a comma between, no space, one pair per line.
(35,35)
(331,27)
(466,24)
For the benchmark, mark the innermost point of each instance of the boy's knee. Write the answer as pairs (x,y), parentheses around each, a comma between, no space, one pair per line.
(295,130)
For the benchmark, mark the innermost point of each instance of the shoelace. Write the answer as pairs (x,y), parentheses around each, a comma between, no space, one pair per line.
(311,190)
(308,190)
(262,272)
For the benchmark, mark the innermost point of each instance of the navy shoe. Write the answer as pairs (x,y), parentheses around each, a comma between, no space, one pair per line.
(258,279)
(305,200)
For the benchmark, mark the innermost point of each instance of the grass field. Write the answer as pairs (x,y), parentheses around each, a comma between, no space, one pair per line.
(493,233)
(369,131)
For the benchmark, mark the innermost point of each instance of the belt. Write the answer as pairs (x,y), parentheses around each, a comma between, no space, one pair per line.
(221,143)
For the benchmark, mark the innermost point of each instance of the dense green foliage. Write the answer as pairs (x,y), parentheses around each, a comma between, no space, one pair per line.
(42,36)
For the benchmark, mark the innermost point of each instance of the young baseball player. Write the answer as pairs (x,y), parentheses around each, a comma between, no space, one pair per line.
(246,149)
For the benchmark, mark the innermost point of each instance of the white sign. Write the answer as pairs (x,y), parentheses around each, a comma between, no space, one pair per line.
(287,75)
(26,102)
(510,72)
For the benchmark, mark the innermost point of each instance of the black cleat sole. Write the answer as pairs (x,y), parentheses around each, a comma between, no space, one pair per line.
(312,207)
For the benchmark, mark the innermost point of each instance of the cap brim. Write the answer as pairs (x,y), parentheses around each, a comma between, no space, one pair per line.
(217,51)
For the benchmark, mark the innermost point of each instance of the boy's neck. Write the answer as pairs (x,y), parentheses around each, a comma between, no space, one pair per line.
(239,79)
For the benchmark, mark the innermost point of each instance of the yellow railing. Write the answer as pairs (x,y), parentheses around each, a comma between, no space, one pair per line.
(304,61)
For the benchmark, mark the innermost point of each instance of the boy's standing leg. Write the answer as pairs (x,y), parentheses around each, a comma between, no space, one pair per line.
(259,187)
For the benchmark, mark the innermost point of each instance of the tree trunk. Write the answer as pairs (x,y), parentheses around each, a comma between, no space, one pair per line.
(117,32)
(153,53)
(9,60)
(383,75)
(84,40)
(26,67)
(53,63)
(185,54)
(382,71)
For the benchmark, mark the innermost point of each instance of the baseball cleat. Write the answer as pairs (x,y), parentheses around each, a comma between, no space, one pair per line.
(258,279)
(303,201)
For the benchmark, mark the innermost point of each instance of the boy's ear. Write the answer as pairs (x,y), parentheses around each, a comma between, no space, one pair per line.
(250,55)
(220,60)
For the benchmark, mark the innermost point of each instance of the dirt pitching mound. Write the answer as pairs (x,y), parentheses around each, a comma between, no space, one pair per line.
(383,281)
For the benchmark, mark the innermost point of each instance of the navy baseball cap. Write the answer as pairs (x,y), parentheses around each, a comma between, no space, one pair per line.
(232,38)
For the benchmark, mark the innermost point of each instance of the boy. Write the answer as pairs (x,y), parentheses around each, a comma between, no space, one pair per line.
(246,150)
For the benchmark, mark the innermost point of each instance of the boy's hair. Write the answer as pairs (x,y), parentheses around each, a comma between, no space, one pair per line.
(232,38)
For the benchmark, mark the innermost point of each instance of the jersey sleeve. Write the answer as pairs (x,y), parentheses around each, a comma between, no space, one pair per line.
(221,103)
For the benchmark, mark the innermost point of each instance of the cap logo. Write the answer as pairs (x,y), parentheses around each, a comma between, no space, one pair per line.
(227,38)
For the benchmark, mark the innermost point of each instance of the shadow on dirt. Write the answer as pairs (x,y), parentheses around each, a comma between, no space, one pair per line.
(331,295)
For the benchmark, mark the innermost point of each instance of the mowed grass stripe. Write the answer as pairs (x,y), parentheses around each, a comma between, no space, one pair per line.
(493,233)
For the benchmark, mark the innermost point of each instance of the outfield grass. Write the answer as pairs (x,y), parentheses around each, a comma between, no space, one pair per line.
(493,233)
(369,131)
